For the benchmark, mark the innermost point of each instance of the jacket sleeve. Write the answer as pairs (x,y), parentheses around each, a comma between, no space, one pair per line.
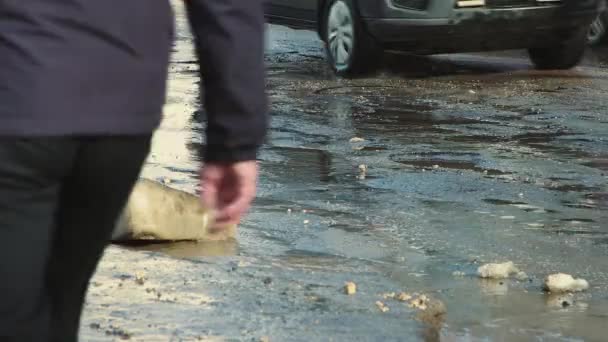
(229,38)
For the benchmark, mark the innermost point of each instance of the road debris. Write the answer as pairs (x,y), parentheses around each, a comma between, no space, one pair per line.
(140,278)
(403,297)
(497,271)
(350,288)
(419,302)
(561,282)
(356,140)
(118,332)
(429,310)
(434,313)
(388,295)
(382,307)
(362,172)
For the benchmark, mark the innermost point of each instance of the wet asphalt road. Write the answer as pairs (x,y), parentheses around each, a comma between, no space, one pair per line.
(470,159)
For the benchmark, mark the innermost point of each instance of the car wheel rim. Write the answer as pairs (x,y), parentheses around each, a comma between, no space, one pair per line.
(597,30)
(340,34)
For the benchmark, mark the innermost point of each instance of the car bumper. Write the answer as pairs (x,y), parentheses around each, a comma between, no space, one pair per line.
(475,29)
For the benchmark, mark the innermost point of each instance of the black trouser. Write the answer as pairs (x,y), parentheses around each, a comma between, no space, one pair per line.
(59,200)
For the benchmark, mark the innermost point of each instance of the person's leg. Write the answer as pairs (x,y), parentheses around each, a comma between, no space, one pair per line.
(104,172)
(31,172)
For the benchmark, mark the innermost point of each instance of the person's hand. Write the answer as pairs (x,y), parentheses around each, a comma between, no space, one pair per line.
(228,189)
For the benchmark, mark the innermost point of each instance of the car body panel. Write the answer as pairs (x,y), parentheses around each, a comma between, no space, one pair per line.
(444,28)
(447,9)
(295,13)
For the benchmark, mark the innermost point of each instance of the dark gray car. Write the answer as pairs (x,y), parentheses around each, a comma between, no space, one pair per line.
(356,32)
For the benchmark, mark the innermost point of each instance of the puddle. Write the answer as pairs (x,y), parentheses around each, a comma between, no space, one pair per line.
(306,165)
(448,160)
(601,164)
(188,249)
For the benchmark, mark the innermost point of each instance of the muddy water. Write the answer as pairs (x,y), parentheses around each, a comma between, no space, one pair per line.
(470,159)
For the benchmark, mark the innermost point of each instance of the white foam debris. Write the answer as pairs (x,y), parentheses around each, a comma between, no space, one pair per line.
(561,282)
(497,271)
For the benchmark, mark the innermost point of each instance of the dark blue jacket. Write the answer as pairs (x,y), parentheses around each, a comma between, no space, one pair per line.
(99,67)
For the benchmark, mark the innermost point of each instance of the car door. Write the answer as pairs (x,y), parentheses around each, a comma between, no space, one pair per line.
(302,13)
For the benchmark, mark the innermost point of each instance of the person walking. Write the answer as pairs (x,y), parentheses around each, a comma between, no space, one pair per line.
(82,86)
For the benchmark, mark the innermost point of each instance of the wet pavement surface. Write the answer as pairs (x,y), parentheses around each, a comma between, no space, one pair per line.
(469,159)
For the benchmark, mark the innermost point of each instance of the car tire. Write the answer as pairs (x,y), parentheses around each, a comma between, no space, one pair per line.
(351,51)
(564,55)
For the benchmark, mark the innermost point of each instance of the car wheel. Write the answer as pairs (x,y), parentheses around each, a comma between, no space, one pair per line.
(564,55)
(597,31)
(350,50)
